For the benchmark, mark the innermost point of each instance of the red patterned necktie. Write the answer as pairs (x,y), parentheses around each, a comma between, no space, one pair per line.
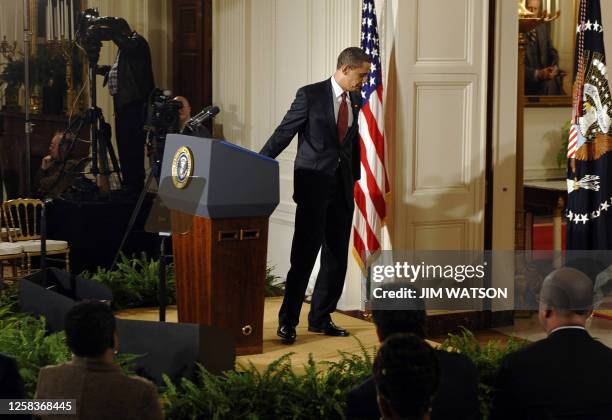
(342,119)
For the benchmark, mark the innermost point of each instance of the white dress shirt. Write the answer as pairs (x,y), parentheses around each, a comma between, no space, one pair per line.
(567,327)
(337,90)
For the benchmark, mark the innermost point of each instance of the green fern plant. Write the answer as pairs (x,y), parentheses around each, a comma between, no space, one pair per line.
(135,282)
(276,392)
(486,358)
(274,285)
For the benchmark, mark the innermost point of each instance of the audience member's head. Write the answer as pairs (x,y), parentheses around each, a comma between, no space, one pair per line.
(91,331)
(185,111)
(399,315)
(58,150)
(566,299)
(54,146)
(406,377)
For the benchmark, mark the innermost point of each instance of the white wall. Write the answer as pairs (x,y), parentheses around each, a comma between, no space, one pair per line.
(542,139)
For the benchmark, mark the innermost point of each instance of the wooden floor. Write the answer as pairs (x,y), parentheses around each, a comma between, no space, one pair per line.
(323,348)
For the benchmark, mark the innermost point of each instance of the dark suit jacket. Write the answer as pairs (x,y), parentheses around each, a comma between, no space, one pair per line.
(566,373)
(456,397)
(312,118)
(101,391)
(134,72)
(11,384)
(538,55)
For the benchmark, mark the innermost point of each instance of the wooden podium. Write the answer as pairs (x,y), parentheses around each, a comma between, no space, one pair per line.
(220,196)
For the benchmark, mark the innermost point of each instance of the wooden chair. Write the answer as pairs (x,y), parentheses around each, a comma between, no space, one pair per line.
(9,251)
(23,216)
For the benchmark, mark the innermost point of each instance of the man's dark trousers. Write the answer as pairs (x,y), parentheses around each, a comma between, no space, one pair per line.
(323,220)
(129,121)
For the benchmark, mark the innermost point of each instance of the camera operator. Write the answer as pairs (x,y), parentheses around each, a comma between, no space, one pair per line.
(130,80)
(185,115)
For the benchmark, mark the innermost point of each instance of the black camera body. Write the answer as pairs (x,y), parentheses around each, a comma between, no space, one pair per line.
(162,113)
(93,28)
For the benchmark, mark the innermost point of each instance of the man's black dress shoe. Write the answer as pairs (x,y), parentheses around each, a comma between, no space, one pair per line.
(329,329)
(286,333)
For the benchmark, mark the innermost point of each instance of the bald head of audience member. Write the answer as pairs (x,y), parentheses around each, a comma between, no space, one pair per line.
(185,111)
(566,299)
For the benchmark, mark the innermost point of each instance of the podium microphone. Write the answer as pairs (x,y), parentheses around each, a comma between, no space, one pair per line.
(203,115)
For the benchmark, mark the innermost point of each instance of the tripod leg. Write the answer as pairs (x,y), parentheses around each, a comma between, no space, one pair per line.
(135,212)
(114,162)
(103,141)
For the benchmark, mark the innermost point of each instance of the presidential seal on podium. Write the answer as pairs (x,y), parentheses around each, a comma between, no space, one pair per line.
(182,167)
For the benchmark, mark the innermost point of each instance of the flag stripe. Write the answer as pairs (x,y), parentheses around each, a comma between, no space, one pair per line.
(370,190)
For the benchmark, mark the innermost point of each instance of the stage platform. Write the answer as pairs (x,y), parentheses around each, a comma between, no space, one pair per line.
(323,348)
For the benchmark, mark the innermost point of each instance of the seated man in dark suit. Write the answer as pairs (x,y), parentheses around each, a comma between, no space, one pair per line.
(566,375)
(405,365)
(456,397)
(11,384)
(100,388)
(58,169)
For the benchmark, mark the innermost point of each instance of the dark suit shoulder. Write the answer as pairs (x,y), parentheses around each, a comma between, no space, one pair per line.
(11,384)
(457,394)
(317,88)
(7,362)
(361,401)
(363,389)
(455,359)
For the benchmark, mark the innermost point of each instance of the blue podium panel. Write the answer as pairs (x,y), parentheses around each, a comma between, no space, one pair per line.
(216,179)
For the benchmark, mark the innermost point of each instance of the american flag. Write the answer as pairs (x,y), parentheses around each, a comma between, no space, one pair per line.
(371,189)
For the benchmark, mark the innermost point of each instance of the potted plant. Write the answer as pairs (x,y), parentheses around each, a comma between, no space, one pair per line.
(12,77)
(47,75)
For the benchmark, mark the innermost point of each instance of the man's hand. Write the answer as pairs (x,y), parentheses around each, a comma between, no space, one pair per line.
(103,70)
(547,73)
(46,162)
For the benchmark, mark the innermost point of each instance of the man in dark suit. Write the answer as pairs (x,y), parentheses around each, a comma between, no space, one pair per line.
(457,393)
(542,73)
(567,374)
(327,165)
(11,384)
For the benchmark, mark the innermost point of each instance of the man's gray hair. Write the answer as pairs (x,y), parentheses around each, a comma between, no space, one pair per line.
(353,57)
(568,290)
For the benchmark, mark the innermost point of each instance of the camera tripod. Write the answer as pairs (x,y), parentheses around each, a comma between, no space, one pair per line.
(100,131)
